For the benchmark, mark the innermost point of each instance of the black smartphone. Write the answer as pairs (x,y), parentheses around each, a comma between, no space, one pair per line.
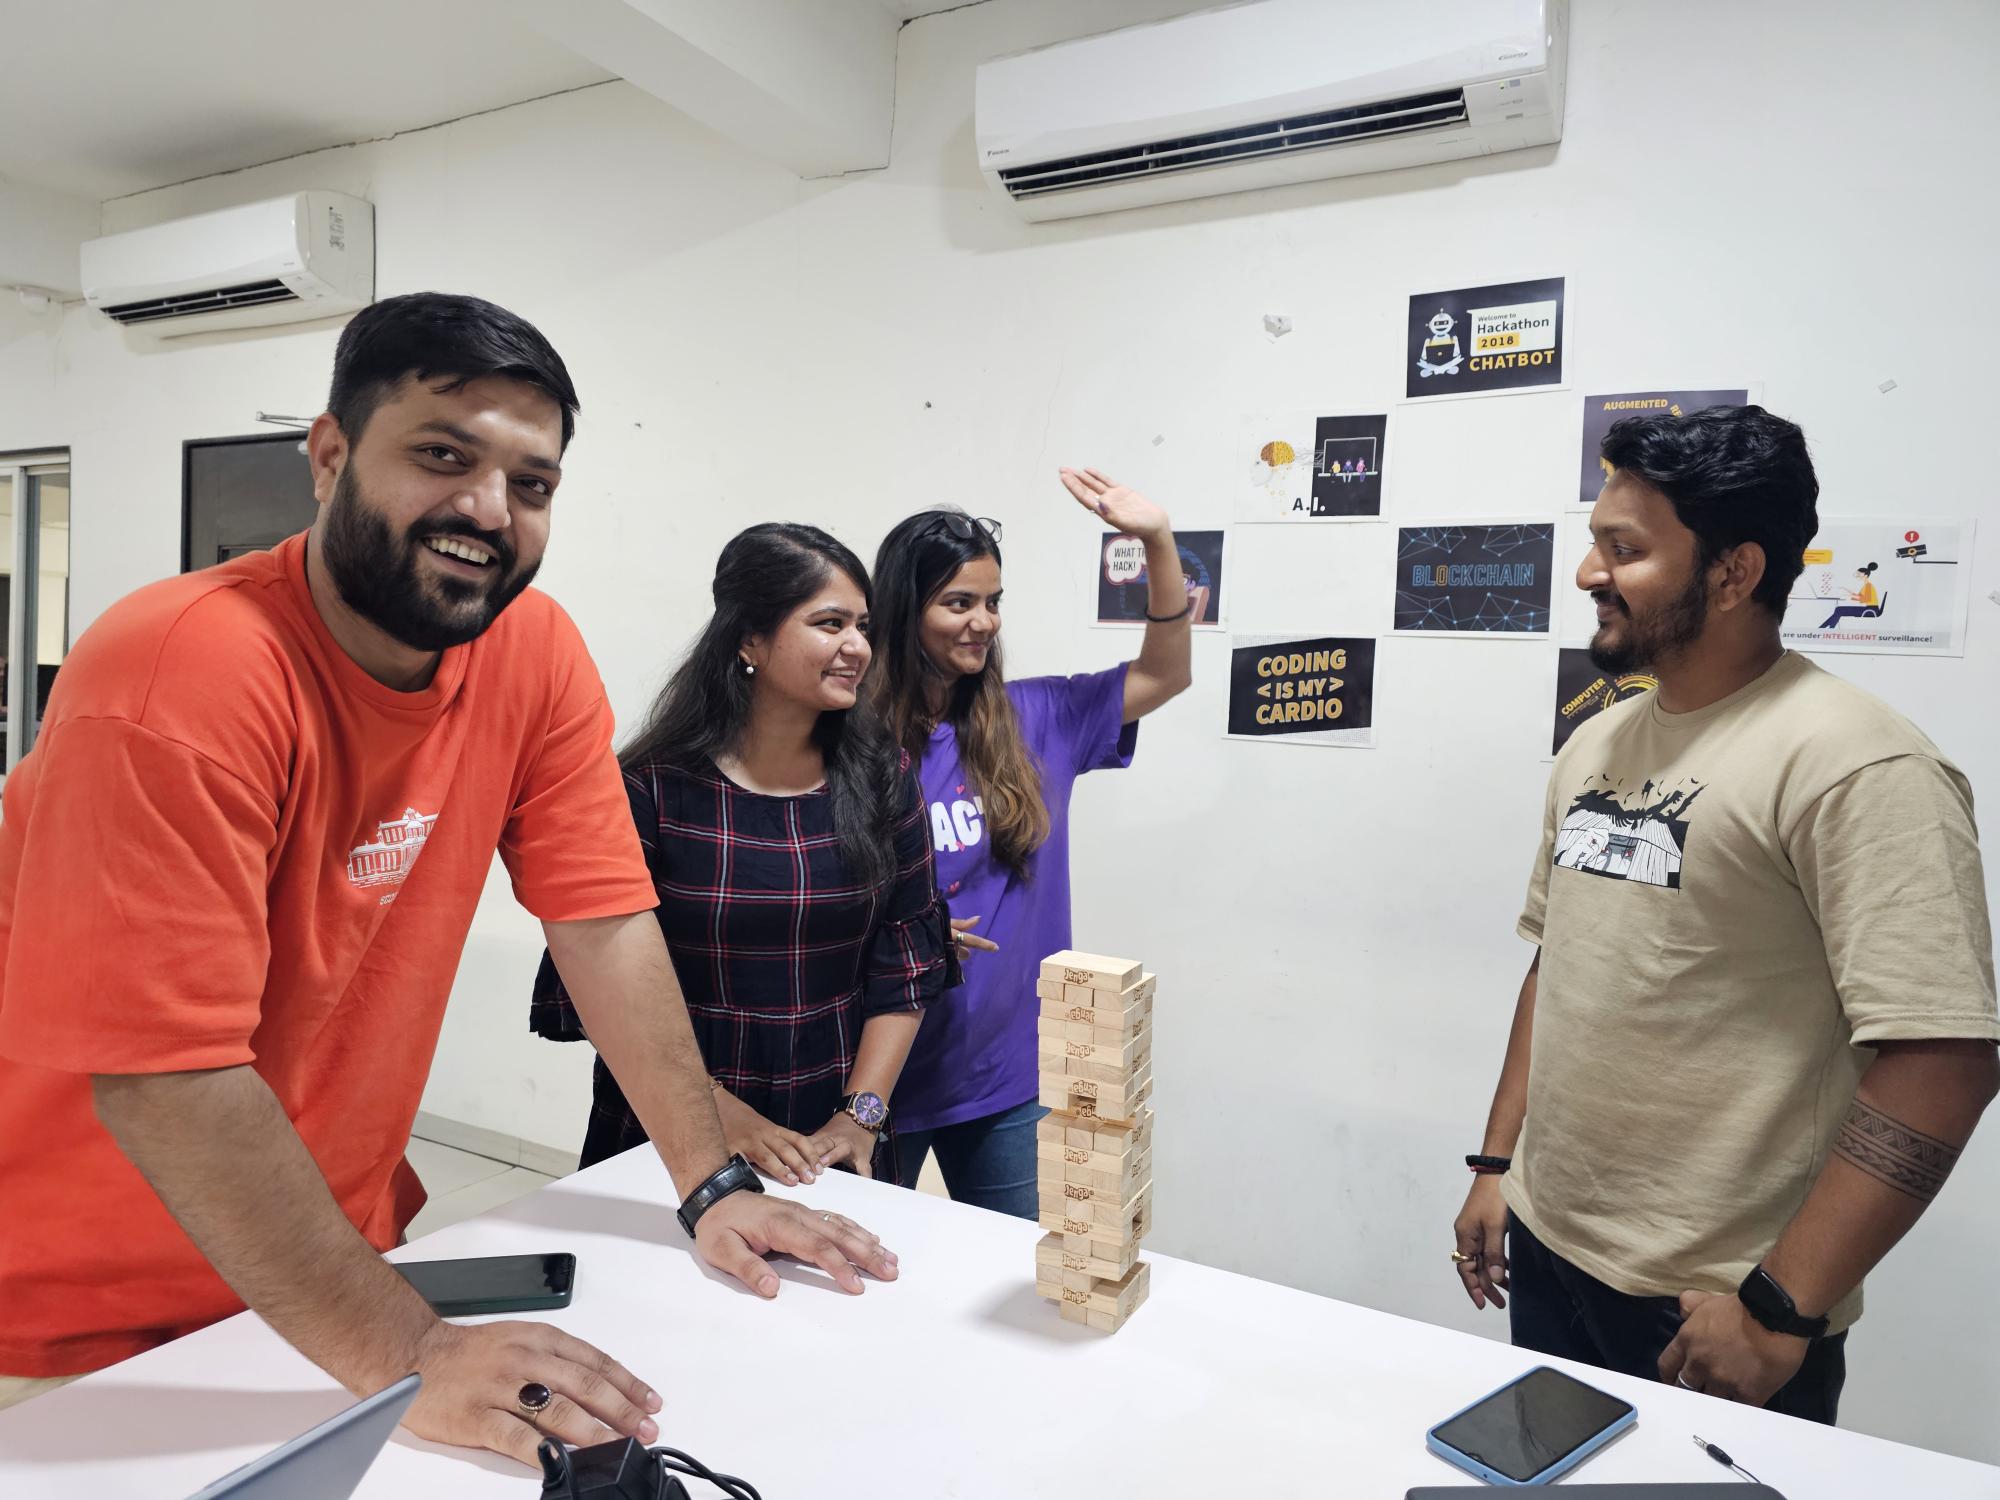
(493,1283)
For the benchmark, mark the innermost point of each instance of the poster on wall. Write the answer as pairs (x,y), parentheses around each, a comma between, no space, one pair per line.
(1122,585)
(1885,588)
(1475,580)
(1583,692)
(1317,690)
(1485,340)
(1312,468)
(1599,412)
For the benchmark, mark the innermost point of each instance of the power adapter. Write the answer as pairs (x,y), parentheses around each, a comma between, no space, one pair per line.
(618,1470)
(625,1469)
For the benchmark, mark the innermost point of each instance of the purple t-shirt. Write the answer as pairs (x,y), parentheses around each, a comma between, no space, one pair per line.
(975,1052)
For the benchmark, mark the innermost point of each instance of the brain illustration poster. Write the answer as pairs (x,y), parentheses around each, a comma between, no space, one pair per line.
(1599,412)
(1122,586)
(1475,580)
(1304,467)
(1485,340)
(1886,588)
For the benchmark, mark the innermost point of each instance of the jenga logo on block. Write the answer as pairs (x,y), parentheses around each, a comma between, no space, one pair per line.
(1075,1262)
(1079,1049)
(1075,1155)
(1082,1088)
(1076,1191)
(1083,1109)
(1081,1299)
(1076,976)
(1077,1226)
(1082,1013)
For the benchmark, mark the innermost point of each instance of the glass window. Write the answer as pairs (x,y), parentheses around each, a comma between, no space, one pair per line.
(49,494)
(34,590)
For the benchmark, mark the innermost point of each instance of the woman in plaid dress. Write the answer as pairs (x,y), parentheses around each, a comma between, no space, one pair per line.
(790,846)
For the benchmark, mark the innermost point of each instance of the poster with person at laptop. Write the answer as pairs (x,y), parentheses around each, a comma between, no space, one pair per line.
(1884,588)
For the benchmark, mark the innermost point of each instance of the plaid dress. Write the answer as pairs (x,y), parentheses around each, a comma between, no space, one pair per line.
(780,953)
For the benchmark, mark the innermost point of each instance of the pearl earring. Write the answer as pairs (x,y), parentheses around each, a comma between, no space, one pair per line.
(749,669)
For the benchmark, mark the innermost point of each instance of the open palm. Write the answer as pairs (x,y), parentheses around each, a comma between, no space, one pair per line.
(1123,509)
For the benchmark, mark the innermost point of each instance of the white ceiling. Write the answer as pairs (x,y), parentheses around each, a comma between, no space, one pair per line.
(100,98)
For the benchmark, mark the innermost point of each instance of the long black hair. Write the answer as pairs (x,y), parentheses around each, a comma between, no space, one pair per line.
(762,576)
(918,557)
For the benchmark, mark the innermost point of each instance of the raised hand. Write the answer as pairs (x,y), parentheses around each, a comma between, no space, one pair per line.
(1122,509)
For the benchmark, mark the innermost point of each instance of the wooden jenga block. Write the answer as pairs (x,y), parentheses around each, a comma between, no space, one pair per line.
(1052,1260)
(1073,1312)
(1099,1012)
(1088,1227)
(1105,1149)
(1088,1099)
(1119,1297)
(1092,970)
(1076,1200)
(1132,1293)
(1049,991)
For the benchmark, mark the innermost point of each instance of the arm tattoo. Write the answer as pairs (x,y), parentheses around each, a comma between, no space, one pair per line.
(1891,1152)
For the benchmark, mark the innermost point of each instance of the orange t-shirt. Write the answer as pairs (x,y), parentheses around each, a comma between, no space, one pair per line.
(231,845)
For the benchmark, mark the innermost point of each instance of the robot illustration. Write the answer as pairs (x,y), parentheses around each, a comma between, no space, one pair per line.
(1440,354)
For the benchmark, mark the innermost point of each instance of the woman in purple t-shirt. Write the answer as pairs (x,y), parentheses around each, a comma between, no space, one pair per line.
(997,760)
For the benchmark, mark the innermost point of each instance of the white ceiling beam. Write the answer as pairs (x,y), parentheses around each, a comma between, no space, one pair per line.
(40,232)
(810,84)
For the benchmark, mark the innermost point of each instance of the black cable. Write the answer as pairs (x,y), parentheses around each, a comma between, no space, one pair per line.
(1724,1459)
(684,1463)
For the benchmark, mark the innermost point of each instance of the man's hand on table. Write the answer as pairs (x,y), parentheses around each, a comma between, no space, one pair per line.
(472,1389)
(737,1233)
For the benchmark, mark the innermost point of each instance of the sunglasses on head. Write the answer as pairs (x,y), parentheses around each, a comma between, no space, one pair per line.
(965,528)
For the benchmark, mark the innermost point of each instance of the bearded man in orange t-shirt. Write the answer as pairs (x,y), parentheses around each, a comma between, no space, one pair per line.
(236,876)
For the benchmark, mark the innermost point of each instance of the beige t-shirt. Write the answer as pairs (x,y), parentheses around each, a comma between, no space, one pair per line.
(1730,903)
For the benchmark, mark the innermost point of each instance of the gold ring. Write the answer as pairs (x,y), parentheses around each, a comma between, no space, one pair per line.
(1460,1258)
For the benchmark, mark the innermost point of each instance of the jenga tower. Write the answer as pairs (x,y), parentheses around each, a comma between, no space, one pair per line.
(1094,1154)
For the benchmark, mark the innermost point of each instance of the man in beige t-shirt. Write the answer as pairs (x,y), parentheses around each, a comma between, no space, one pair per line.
(1760,1024)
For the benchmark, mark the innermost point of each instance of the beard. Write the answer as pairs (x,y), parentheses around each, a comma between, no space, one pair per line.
(379,578)
(1667,631)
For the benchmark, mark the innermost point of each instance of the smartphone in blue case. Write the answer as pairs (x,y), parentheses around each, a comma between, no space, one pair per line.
(1531,1430)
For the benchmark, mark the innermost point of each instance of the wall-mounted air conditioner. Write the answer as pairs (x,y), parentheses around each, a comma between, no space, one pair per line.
(308,255)
(1265,93)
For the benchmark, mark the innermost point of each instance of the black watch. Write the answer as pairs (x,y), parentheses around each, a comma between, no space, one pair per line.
(735,1176)
(1771,1305)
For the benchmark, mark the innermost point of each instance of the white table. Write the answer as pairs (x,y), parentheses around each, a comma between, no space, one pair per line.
(1219,1386)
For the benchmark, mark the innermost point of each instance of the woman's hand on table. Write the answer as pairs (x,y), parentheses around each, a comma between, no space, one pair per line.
(737,1233)
(842,1139)
(779,1153)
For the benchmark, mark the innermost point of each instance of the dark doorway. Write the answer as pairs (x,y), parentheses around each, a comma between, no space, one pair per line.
(242,495)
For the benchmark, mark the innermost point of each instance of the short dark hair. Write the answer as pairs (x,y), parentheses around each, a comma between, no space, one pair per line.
(439,336)
(1735,474)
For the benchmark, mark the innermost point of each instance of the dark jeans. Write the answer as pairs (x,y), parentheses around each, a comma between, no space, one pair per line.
(1557,1309)
(988,1162)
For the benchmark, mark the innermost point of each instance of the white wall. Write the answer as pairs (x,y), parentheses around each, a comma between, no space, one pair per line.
(1333,929)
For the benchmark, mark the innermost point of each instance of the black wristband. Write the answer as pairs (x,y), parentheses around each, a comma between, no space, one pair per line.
(1772,1306)
(1185,610)
(734,1176)
(1489,1164)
